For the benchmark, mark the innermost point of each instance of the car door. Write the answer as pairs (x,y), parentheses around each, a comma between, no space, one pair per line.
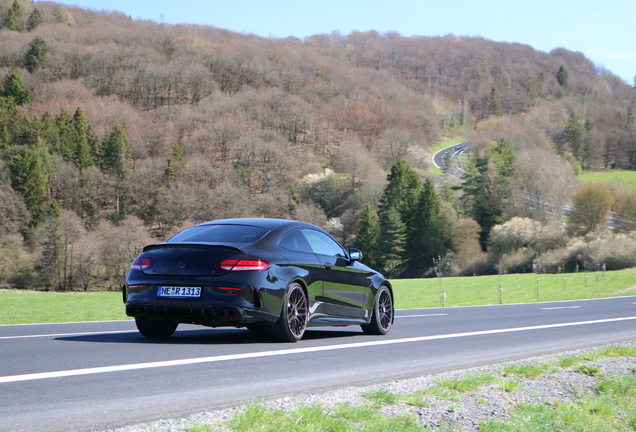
(302,258)
(346,288)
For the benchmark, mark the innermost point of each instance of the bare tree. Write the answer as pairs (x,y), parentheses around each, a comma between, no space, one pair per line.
(515,234)
(353,159)
(590,205)
(72,229)
(543,183)
(122,244)
(395,145)
(465,243)
(86,252)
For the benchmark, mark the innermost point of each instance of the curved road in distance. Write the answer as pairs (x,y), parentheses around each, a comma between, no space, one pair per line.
(439,158)
(93,376)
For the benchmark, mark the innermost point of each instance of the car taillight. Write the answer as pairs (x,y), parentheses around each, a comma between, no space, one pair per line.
(244,265)
(230,289)
(141,264)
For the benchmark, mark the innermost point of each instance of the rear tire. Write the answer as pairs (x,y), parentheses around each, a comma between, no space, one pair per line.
(155,328)
(291,325)
(382,317)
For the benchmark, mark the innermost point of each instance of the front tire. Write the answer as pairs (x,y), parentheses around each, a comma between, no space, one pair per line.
(382,317)
(291,325)
(155,328)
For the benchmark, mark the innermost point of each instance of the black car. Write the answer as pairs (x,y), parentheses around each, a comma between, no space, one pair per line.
(280,276)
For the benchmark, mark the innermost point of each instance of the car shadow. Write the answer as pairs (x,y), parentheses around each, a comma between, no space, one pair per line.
(204,337)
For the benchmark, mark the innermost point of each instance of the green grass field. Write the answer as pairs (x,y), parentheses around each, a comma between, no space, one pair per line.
(24,307)
(626,178)
(27,307)
(439,146)
(516,288)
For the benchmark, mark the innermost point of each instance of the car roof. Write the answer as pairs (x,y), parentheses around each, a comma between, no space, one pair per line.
(269,224)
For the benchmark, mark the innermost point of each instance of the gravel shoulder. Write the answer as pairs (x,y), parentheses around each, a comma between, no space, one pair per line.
(463,413)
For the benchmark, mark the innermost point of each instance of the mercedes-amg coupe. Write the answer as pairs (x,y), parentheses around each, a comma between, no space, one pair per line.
(279,276)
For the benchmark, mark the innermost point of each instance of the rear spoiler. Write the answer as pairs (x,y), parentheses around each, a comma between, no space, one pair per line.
(192,245)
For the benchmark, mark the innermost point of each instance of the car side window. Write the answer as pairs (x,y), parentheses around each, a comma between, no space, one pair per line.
(323,244)
(295,241)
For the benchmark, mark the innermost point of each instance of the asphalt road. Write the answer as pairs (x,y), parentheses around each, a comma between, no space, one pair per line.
(91,376)
(439,158)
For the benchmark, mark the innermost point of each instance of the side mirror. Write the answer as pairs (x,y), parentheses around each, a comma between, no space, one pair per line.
(355,254)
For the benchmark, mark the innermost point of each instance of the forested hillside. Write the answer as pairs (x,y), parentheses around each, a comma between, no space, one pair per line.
(116,132)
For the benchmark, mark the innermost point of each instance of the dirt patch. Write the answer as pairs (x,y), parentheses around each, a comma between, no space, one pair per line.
(626,290)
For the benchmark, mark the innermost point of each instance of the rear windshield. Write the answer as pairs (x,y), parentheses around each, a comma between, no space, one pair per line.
(219,234)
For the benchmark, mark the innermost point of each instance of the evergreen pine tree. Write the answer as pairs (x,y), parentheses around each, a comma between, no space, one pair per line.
(23,131)
(486,184)
(67,136)
(47,130)
(88,142)
(392,243)
(30,179)
(169,173)
(400,194)
(562,77)
(504,159)
(115,154)
(403,184)
(5,136)
(12,20)
(177,153)
(425,233)
(495,102)
(14,87)
(82,148)
(573,134)
(35,56)
(368,236)
(8,113)
(82,155)
(35,20)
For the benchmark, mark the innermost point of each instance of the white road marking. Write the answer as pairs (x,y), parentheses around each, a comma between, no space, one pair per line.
(561,307)
(415,316)
(234,357)
(67,334)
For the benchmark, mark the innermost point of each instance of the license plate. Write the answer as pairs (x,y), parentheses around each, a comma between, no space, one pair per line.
(168,291)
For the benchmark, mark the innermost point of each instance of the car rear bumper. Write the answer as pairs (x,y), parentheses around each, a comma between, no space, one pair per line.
(191,312)
(212,308)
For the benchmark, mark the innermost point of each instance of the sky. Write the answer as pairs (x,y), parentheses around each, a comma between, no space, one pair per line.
(605,31)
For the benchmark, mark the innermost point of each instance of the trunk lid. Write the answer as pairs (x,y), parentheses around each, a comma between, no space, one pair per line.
(188,259)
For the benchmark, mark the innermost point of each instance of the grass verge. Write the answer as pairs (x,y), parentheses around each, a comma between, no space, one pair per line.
(626,178)
(515,288)
(437,147)
(612,407)
(28,307)
(608,404)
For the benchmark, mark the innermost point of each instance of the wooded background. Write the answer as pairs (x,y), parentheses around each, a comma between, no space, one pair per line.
(115,133)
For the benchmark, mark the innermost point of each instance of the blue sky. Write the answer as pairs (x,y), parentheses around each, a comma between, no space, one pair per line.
(605,31)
